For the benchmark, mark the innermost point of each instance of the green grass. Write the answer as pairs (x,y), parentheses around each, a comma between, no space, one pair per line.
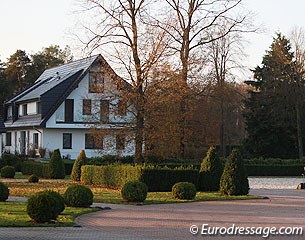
(13,214)
(113,196)
(104,195)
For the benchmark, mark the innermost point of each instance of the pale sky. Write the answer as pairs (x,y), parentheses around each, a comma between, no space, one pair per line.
(33,24)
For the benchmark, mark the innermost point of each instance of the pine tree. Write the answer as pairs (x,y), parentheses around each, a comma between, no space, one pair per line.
(56,166)
(79,162)
(210,171)
(270,112)
(234,180)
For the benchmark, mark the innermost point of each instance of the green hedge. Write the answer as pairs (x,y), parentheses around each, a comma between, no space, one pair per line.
(156,179)
(163,179)
(112,176)
(39,169)
(274,170)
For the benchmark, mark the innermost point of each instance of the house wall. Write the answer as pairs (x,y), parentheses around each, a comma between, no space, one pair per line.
(16,140)
(53,139)
(82,92)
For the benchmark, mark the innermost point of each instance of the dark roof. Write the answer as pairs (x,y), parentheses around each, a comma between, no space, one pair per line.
(53,77)
(2,128)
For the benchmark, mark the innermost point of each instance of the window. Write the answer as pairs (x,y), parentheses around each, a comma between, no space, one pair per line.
(67,141)
(69,110)
(86,106)
(8,140)
(38,107)
(104,111)
(93,143)
(96,82)
(24,109)
(122,108)
(9,112)
(120,141)
(35,140)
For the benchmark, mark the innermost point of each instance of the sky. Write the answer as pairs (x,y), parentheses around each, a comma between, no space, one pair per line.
(33,24)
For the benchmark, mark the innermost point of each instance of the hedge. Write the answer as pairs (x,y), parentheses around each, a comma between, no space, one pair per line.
(274,170)
(156,179)
(111,176)
(39,169)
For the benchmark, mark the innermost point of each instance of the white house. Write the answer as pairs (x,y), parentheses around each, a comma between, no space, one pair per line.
(64,104)
(2,130)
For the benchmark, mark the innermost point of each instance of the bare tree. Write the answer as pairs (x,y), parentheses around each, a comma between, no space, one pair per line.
(190,26)
(136,47)
(225,56)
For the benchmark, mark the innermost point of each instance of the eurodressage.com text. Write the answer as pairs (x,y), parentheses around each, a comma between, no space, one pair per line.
(265,232)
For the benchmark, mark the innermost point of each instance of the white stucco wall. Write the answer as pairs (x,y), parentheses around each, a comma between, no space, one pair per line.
(53,139)
(80,93)
(16,141)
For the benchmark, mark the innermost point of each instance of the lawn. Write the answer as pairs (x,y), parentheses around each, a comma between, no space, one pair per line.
(104,195)
(13,214)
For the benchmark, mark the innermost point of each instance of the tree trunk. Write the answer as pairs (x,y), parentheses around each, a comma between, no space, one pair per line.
(299,130)
(221,130)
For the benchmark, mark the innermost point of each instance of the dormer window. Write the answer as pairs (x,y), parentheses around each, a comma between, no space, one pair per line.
(24,109)
(96,82)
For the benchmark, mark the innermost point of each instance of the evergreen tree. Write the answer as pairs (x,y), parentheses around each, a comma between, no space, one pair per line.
(234,180)
(79,162)
(270,112)
(16,71)
(49,57)
(56,166)
(210,171)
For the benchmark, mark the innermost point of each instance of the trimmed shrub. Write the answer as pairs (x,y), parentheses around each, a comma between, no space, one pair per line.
(112,176)
(184,191)
(8,172)
(210,171)
(56,166)
(78,196)
(135,191)
(42,207)
(60,202)
(274,170)
(79,162)
(4,192)
(234,180)
(163,179)
(33,178)
(37,168)
(156,179)
(11,160)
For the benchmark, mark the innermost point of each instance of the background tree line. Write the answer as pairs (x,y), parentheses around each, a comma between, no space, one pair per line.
(21,70)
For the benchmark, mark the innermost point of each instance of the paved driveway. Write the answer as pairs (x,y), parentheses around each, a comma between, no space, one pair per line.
(172,221)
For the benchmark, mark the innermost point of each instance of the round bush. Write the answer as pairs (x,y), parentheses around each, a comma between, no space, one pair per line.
(8,172)
(134,191)
(78,196)
(33,178)
(4,192)
(60,202)
(42,207)
(184,191)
